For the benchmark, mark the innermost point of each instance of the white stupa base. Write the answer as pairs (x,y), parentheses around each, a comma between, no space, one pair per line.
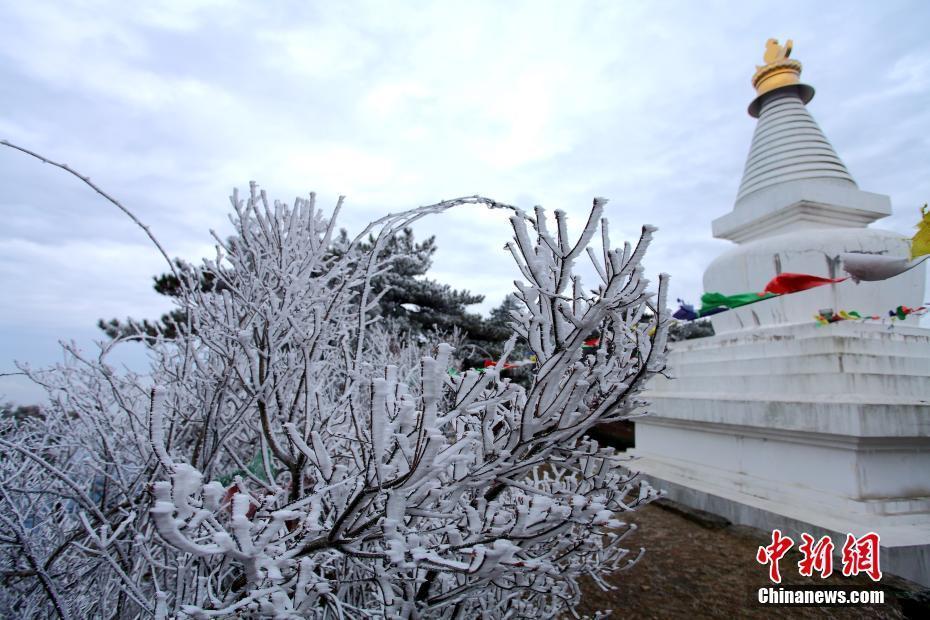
(801,427)
(909,559)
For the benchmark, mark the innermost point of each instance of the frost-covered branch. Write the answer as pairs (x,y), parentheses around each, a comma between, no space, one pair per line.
(289,457)
(86,180)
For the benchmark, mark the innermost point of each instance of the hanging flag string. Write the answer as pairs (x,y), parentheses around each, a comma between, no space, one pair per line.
(861,267)
(825,317)
(589,345)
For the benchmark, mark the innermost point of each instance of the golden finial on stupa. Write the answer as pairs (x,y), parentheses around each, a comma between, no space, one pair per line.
(775,52)
(778,71)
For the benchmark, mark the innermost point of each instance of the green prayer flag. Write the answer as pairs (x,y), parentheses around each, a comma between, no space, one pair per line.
(715,301)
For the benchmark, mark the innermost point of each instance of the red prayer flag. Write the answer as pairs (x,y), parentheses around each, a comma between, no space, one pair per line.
(796,282)
(491,363)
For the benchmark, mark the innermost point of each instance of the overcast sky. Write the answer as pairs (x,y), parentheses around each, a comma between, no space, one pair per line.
(168,105)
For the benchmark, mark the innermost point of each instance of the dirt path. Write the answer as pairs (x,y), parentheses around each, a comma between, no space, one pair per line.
(695,568)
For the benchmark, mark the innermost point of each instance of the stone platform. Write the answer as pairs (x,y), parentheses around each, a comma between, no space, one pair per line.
(823,429)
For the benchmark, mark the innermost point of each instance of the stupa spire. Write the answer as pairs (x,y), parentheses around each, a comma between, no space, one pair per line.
(793,177)
(788,145)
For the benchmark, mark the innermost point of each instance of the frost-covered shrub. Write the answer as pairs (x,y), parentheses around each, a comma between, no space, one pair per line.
(288,458)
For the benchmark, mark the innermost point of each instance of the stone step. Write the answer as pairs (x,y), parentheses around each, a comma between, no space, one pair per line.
(685,366)
(905,547)
(812,493)
(851,415)
(753,348)
(812,330)
(786,384)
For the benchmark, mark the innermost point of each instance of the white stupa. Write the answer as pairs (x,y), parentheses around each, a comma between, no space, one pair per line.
(797,209)
(777,421)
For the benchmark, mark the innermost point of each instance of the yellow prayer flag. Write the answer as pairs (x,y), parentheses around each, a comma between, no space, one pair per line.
(920,244)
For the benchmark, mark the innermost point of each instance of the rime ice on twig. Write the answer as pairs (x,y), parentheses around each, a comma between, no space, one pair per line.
(288,464)
(107,196)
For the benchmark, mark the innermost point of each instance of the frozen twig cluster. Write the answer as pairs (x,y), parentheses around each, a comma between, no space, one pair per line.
(278,462)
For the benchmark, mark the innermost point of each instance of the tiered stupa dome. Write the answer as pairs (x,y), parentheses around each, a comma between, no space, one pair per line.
(797,208)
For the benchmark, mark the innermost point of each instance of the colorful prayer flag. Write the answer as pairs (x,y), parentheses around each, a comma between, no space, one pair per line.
(712,303)
(685,312)
(795,282)
(920,243)
(874,267)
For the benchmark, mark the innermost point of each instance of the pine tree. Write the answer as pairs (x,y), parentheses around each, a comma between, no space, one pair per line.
(169,324)
(411,302)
